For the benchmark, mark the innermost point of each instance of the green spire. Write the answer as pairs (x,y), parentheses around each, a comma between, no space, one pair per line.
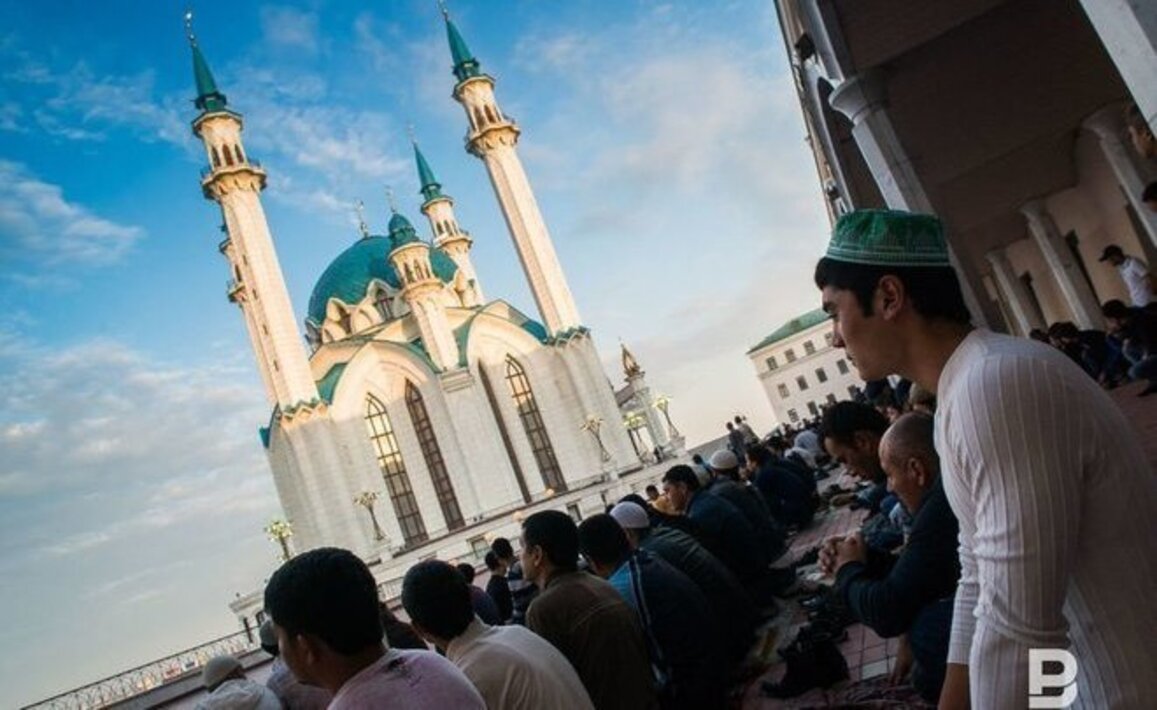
(208,99)
(465,65)
(431,188)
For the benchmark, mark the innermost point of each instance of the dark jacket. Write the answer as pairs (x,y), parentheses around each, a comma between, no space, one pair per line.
(485,607)
(890,593)
(499,590)
(749,502)
(737,613)
(522,592)
(787,498)
(728,535)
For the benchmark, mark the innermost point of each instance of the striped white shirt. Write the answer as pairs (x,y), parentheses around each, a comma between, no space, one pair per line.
(1057,506)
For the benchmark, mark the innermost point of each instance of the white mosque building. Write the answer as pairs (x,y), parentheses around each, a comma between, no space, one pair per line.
(445,415)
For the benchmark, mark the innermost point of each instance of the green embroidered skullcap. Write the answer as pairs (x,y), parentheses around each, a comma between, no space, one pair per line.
(889,238)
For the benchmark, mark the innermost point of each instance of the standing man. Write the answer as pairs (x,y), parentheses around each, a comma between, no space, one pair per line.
(1053,493)
(1135,274)
(497,586)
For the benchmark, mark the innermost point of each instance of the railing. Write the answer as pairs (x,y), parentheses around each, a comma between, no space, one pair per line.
(206,172)
(138,680)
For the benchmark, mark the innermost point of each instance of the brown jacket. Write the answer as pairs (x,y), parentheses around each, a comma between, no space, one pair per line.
(585,618)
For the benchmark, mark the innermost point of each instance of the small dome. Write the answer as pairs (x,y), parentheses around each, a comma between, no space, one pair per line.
(348,277)
(401,231)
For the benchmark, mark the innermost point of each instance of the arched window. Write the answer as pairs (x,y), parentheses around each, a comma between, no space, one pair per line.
(382,303)
(533,426)
(346,322)
(433,456)
(237,152)
(439,227)
(216,157)
(478,120)
(394,472)
(228,155)
(490,115)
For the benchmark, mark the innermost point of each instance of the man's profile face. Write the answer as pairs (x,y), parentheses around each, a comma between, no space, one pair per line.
(292,650)
(677,494)
(860,336)
(859,456)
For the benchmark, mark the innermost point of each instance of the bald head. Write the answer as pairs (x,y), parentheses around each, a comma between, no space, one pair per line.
(908,455)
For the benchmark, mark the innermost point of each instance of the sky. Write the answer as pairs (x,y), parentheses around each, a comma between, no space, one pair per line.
(666,149)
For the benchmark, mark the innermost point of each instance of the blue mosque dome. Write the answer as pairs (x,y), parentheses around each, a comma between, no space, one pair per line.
(349,276)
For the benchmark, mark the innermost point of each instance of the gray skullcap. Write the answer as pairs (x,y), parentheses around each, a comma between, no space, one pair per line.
(218,669)
(723,460)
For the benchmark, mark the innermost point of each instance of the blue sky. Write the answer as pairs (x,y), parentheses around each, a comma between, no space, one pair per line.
(666,149)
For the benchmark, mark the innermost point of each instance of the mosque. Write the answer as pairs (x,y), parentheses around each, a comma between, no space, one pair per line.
(422,418)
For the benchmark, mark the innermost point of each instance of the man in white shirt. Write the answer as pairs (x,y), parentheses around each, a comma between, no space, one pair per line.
(511,666)
(1054,495)
(1135,274)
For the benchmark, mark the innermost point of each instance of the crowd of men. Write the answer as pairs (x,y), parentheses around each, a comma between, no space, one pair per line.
(1015,518)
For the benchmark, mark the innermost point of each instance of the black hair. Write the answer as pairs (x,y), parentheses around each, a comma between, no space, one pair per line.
(1150,192)
(637,499)
(651,487)
(603,541)
(556,534)
(328,593)
(501,547)
(933,290)
(1064,329)
(467,571)
(698,458)
(758,453)
(437,598)
(1115,309)
(843,419)
(491,561)
(682,474)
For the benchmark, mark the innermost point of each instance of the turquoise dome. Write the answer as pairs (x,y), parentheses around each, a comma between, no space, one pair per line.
(401,231)
(349,276)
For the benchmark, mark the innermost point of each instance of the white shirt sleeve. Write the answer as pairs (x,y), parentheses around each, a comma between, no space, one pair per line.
(1020,456)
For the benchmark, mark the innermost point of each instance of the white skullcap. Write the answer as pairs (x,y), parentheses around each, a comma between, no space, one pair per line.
(630,516)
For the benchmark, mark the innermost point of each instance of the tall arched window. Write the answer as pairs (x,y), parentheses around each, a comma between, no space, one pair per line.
(533,426)
(433,456)
(237,152)
(490,115)
(216,157)
(228,155)
(394,472)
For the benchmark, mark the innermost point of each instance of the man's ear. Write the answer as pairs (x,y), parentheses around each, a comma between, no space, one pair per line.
(890,296)
(310,649)
(918,471)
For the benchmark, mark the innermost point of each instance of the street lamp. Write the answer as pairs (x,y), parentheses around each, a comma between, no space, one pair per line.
(593,424)
(280,531)
(662,403)
(367,500)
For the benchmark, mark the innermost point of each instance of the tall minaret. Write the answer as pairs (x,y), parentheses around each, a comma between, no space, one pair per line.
(492,137)
(421,289)
(448,236)
(258,287)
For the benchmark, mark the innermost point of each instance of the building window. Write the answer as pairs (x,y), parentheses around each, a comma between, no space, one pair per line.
(831,399)
(532,424)
(771,363)
(792,416)
(828,338)
(842,366)
(852,391)
(479,547)
(789,354)
(821,375)
(431,452)
(783,391)
(382,303)
(802,382)
(809,348)
(573,511)
(394,472)
(813,409)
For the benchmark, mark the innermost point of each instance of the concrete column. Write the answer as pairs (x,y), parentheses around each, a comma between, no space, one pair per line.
(862,100)
(1109,126)
(1128,29)
(1078,295)
(1023,314)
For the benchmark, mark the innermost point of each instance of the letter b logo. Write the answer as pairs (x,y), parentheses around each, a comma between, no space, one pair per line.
(1038,680)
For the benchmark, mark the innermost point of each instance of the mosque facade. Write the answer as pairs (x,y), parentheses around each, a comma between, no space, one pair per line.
(418,418)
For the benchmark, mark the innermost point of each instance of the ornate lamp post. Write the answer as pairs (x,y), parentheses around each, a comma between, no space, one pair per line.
(593,424)
(280,531)
(662,402)
(367,500)
(632,422)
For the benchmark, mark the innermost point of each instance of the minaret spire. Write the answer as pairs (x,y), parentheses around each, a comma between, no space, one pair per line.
(465,65)
(431,188)
(360,209)
(209,99)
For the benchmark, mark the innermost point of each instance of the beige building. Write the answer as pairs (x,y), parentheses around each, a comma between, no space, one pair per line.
(800,370)
(1006,119)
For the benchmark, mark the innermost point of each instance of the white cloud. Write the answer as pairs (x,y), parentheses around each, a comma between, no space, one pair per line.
(289,28)
(37,224)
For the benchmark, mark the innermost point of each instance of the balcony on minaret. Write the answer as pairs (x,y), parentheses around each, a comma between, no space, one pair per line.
(235,290)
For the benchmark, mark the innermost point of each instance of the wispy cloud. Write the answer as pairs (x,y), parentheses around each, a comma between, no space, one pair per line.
(38,225)
(290,28)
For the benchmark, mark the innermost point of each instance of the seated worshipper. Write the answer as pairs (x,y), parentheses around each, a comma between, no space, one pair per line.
(324,607)
(584,617)
(736,611)
(1136,328)
(522,590)
(485,607)
(787,498)
(725,483)
(399,634)
(512,667)
(909,595)
(229,689)
(1087,348)
(497,586)
(722,528)
(292,694)
(678,625)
